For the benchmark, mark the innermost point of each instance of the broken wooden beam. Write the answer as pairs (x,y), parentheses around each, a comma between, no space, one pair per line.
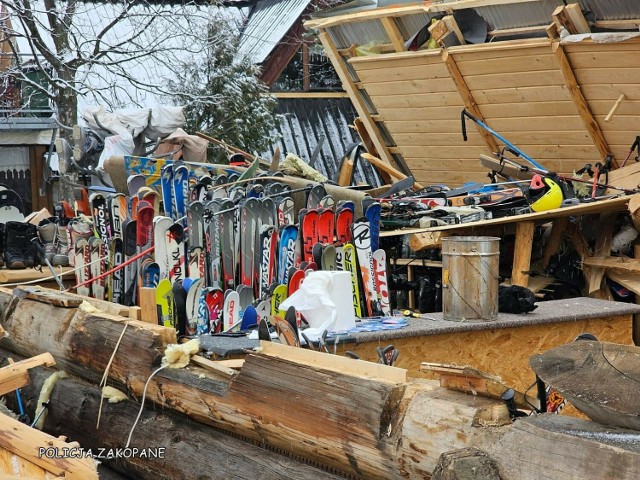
(16,375)
(570,17)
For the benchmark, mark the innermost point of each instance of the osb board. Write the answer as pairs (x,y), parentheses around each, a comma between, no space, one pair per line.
(502,352)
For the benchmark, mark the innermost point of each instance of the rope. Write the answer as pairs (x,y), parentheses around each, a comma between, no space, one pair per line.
(144,396)
(105,376)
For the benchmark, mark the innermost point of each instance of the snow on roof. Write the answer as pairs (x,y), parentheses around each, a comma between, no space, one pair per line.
(268,23)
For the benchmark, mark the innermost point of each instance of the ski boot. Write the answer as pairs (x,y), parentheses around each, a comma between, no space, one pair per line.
(77,229)
(61,255)
(20,251)
(48,231)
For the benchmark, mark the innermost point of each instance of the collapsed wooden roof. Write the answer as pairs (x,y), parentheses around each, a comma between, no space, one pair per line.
(548,96)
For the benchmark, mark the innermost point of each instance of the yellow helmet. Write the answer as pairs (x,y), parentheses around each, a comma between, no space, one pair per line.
(544,194)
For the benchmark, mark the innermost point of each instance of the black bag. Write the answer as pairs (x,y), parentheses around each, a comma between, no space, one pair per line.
(516,299)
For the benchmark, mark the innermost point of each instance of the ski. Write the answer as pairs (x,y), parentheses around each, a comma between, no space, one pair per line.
(161,226)
(373,215)
(176,252)
(83,269)
(164,303)
(362,242)
(286,251)
(268,249)
(351,265)
(115,284)
(214,299)
(286,211)
(131,270)
(167,191)
(230,309)
(213,249)
(381,282)
(249,221)
(309,227)
(227,243)
(180,189)
(96,246)
(326,220)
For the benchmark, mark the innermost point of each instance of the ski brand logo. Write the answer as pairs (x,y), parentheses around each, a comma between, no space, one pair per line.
(176,271)
(381,281)
(100,214)
(266,257)
(291,254)
(361,236)
(231,312)
(117,276)
(339,259)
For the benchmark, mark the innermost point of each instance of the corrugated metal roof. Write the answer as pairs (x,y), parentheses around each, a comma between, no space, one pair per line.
(613,9)
(268,23)
(304,122)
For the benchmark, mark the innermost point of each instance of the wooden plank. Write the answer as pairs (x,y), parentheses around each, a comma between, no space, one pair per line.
(433,71)
(320,360)
(617,264)
(539,152)
(553,242)
(47,296)
(401,60)
(522,253)
(147,301)
(24,442)
(356,98)
(505,110)
(490,81)
(410,86)
(393,32)
(606,224)
(570,17)
(380,165)
(213,366)
(468,99)
(470,380)
(583,107)
(324,23)
(521,124)
(535,138)
(501,51)
(29,274)
(612,205)
(438,99)
(602,59)
(16,375)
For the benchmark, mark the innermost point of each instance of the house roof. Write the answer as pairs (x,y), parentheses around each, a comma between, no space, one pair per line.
(306,122)
(269,21)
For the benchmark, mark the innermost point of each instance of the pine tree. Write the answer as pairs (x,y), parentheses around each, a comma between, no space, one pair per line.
(223,96)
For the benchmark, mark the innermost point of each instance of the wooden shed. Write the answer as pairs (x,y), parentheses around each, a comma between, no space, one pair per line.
(564,101)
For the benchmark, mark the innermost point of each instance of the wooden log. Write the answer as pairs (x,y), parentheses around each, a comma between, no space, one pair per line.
(81,342)
(350,420)
(567,448)
(380,165)
(191,450)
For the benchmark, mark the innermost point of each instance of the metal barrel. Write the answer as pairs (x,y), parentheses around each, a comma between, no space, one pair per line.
(470,278)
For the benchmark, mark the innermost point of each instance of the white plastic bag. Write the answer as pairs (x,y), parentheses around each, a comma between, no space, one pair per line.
(325,300)
(164,121)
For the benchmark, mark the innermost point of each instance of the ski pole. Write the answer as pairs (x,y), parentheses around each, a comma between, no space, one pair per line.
(115,269)
(38,245)
(515,149)
(634,145)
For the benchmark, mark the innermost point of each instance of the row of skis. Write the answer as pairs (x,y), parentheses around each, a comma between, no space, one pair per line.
(226,250)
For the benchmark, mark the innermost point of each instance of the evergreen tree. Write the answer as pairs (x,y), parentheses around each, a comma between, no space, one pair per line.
(223,96)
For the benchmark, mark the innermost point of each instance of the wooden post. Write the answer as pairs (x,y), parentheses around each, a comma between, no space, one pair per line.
(393,32)
(306,79)
(467,98)
(584,110)
(149,311)
(553,243)
(522,254)
(606,221)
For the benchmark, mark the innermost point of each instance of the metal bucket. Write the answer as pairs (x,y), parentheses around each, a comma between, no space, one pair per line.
(470,278)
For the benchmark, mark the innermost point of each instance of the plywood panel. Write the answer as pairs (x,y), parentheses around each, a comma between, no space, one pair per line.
(524,124)
(410,87)
(420,72)
(525,63)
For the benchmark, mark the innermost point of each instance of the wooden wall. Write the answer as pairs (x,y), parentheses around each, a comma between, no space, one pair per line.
(521,92)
